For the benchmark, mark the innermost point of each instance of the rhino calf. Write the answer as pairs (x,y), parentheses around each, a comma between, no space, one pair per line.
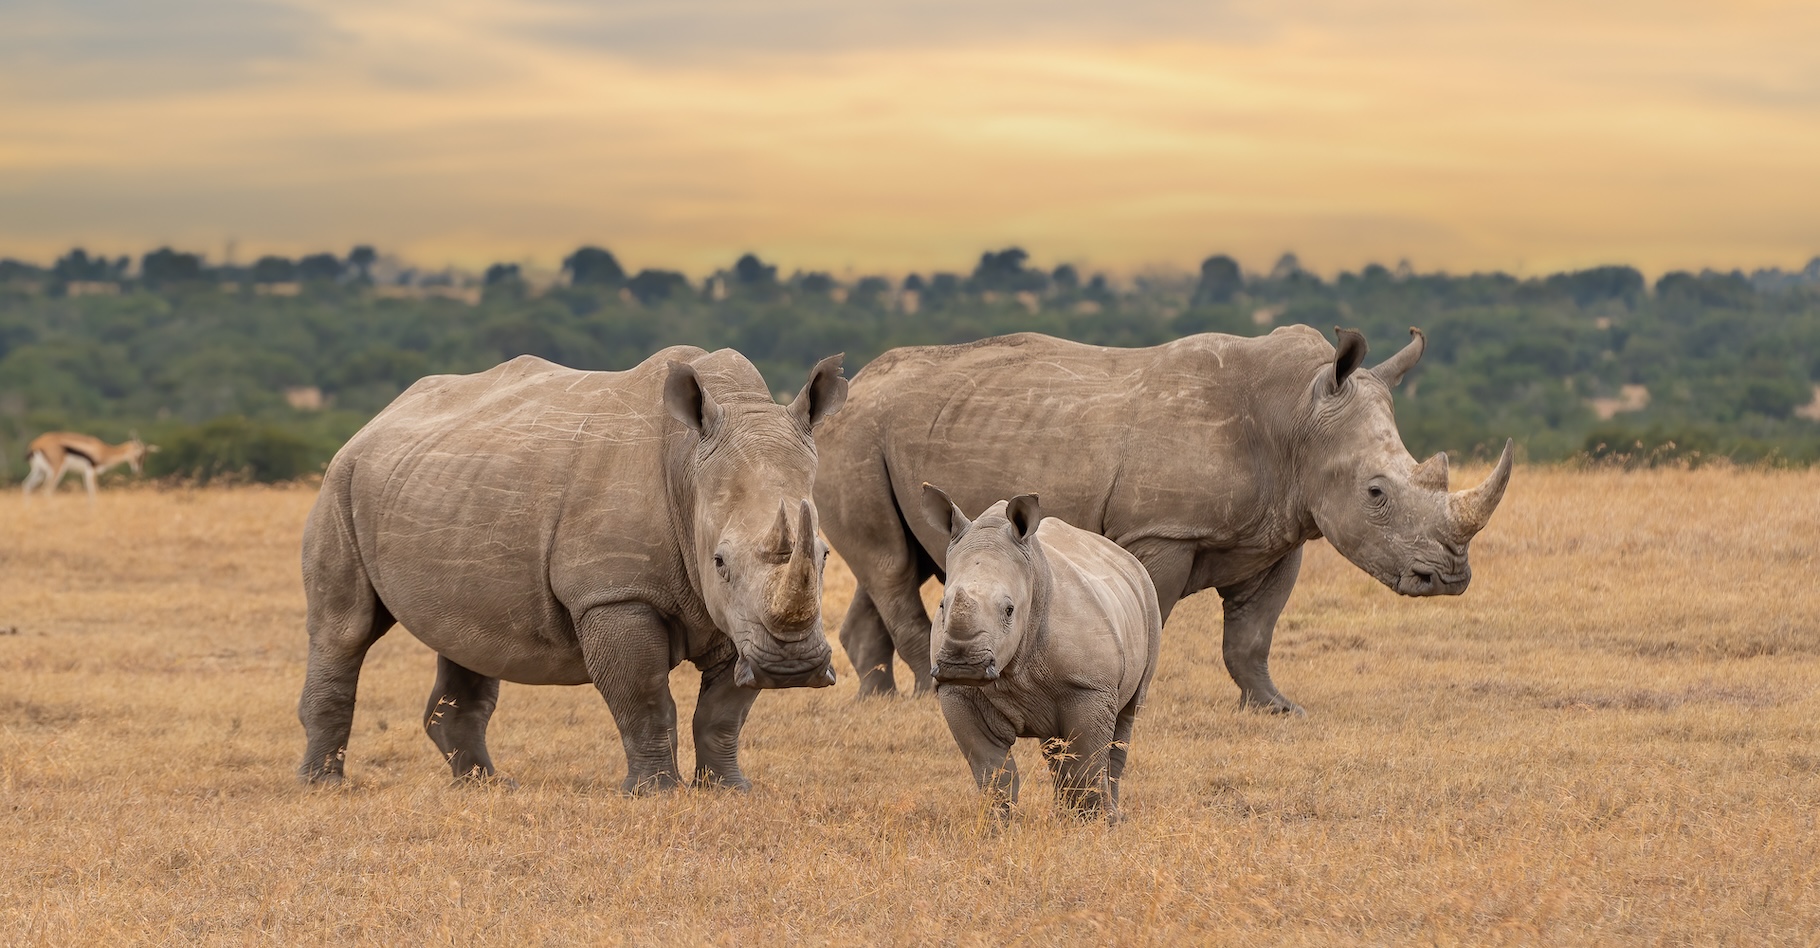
(1045,631)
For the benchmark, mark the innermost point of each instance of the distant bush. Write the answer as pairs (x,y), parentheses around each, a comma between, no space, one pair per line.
(235,449)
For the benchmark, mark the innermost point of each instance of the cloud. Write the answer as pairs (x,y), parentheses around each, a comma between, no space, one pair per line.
(671,29)
(150,47)
(906,135)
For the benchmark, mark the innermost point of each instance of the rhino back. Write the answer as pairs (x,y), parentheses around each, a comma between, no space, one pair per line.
(477,500)
(1102,624)
(1173,441)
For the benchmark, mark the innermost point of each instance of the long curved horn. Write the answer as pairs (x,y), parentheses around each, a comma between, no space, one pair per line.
(1470,510)
(792,604)
(1392,370)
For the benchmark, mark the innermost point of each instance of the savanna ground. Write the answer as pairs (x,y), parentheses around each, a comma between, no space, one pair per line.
(1612,738)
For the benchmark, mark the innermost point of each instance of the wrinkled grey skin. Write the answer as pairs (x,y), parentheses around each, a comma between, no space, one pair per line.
(1212,459)
(1044,631)
(551,526)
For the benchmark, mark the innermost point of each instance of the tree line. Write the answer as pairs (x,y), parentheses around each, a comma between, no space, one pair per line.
(264,369)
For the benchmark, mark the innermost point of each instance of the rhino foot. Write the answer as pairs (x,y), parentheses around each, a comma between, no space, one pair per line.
(1271,704)
(478,779)
(649,784)
(709,780)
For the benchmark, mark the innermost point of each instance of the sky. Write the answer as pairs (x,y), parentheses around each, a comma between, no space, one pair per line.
(892,136)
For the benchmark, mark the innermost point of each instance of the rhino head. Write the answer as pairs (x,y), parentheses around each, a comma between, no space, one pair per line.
(993,592)
(1391,516)
(755,545)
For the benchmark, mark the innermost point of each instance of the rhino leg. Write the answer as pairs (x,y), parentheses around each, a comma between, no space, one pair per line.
(720,713)
(900,604)
(626,647)
(456,718)
(1079,762)
(985,737)
(868,645)
(1119,750)
(345,619)
(1252,608)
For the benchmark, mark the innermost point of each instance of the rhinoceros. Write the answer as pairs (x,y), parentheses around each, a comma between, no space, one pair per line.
(1212,459)
(545,525)
(1046,631)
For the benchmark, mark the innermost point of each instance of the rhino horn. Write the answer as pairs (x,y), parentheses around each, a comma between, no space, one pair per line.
(1470,510)
(1432,473)
(778,539)
(1392,370)
(792,605)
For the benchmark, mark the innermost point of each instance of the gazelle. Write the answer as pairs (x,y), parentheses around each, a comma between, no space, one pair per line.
(56,453)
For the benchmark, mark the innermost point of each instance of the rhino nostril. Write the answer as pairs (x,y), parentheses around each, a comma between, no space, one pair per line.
(1426,579)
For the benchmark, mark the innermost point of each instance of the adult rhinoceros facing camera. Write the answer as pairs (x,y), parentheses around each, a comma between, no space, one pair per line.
(551,526)
(1212,459)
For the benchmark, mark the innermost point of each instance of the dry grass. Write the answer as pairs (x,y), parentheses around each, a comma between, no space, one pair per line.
(1612,738)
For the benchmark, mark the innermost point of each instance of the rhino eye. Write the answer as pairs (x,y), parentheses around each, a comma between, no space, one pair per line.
(1009,608)
(720,566)
(1376,494)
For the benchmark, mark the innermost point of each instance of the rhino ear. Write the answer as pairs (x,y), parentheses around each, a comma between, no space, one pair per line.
(942,513)
(687,401)
(1024,515)
(1349,354)
(824,394)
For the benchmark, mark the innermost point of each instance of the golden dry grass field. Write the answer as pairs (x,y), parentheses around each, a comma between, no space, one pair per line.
(1613,738)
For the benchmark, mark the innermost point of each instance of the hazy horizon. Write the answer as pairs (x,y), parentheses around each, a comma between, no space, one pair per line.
(1524,138)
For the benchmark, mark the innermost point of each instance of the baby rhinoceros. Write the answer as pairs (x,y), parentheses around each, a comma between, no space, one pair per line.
(1045,631)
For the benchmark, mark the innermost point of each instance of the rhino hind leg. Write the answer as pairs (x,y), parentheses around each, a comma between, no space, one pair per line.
(456,718)
(1079,764)
(626,647)
(1119,750)
(344,622)
(897,601)
(720,714)
(868,645)
(1252,609)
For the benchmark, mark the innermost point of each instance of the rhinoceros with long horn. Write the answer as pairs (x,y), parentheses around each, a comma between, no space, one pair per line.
(1212,459)
(545,525)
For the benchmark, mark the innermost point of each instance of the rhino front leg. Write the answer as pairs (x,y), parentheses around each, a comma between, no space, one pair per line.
(985,738)
(456,718)
(626,647)
(720,714)
(1252,608)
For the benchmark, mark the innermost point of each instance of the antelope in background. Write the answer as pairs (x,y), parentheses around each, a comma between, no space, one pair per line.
(56,453)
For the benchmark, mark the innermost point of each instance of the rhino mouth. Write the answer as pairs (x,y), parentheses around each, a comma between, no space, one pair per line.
(748,675)
(951,671)
(760,670)
(1423,580)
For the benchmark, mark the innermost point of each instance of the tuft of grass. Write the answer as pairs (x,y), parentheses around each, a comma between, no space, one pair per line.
(1610,739)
